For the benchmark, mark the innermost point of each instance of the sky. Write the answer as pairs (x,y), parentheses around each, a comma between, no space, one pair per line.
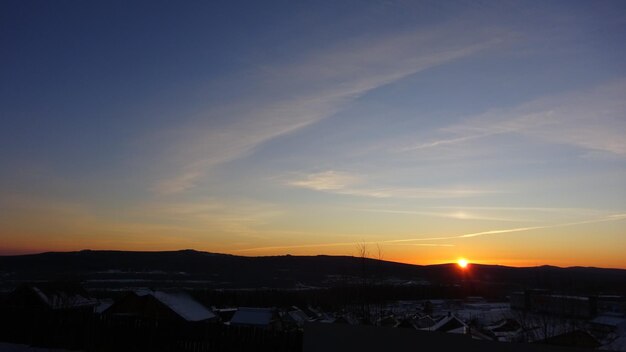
(425,130)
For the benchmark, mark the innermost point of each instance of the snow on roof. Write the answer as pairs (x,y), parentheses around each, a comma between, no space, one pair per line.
(451,319)
(577,298)
(610,297)
(41,295)
(609,320)
(299,316)
(252,316)
(182,304)
(424,322)
(459,330)
(103,305)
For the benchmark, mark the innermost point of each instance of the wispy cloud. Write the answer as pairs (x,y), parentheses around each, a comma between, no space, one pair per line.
(234,217)
(408,192)
(592,119)
(305,92)
(419,241)
(530,211)
(456,140)
(609,218)
(335,244)
(523,208)
(411,241)
(344,183)
(459,214)
(327,181)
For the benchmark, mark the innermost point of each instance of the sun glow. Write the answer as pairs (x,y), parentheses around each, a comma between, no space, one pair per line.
(462,262)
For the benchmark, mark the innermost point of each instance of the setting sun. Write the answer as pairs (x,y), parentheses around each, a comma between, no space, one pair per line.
(462,263)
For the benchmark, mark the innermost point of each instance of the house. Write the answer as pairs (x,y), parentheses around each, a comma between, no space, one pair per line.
(103,305)
(417,321)
(575,338)
(612,305)
(312,313)
(50,296)
(611,330)
(54,313)
(449,323)
(153,307)
(346,318)
(297,316)
(617,344)
(424,322)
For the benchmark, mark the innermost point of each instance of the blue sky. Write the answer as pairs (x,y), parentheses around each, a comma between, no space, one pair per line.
(281,127)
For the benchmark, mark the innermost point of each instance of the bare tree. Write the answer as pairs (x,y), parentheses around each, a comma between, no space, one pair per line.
(379,274)
(361,250)
(371,265)
(363,254)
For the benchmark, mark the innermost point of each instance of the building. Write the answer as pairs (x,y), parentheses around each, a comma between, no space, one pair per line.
(147,307)
(450,323)
(47,313)
(611,304)
(50,296)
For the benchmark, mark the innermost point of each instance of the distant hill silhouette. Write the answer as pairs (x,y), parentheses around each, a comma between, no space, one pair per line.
(222,270)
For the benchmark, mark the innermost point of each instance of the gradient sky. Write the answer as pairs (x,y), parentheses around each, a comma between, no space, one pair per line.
(494,131)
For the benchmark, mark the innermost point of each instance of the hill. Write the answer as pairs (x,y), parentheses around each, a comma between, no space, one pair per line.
(212,270)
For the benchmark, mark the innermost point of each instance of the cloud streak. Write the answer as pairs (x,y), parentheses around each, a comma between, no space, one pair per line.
(609,218)
(409,241)
(591,119)
(306,92)
(335,244)
(343,183)
(459,215)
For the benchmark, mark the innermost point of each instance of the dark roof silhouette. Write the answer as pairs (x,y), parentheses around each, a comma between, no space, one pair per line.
(51,295)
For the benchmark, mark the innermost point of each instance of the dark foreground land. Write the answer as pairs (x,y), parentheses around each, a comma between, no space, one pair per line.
(197,301)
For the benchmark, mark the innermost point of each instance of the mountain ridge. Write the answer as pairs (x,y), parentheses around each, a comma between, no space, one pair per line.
(546,266)
(217,270)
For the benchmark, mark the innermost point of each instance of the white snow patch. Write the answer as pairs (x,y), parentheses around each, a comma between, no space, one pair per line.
(182,304)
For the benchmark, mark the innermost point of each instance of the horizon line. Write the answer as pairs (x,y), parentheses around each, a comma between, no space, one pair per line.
(471,262)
